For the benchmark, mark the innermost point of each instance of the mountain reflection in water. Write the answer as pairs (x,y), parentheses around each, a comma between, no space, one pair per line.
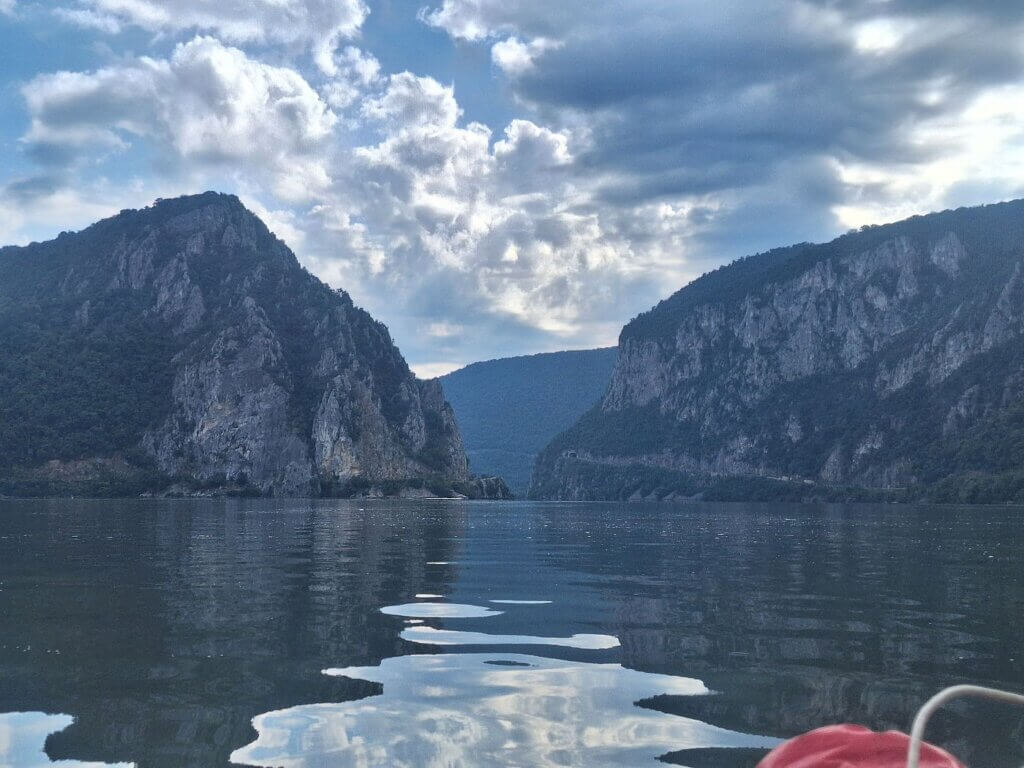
(23,738)
(165,627)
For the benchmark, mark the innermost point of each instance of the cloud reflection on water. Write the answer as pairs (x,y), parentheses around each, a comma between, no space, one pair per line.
(439,611)
(23,741)
(432,636)
(488,709)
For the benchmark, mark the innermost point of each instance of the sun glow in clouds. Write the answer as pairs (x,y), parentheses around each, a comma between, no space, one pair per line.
(881,35)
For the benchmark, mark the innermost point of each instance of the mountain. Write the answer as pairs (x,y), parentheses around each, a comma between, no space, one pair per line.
(183,347)
(888,363)
(509,409)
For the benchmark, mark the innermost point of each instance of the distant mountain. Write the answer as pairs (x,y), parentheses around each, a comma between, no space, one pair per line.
(888,363)
(509,409)
(181,347)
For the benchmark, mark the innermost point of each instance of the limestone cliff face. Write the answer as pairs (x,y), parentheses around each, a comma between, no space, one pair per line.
(272,381)
(870,362)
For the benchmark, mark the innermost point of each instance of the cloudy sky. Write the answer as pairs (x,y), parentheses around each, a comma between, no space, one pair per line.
(499,177)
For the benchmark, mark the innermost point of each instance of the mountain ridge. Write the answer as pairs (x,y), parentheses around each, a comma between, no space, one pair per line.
(867,367)
(183,346)
(509,408)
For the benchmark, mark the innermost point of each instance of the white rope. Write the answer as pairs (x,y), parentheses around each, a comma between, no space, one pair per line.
(936,701)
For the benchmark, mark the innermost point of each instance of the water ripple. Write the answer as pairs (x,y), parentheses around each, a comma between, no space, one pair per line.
(439,611)
(432,636)
(489,709)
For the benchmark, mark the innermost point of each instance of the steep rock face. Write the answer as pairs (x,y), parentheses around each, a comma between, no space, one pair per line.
(244,370)
(886,359)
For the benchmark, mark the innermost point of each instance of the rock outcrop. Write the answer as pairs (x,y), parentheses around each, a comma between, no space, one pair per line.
(889,360)
(187,340)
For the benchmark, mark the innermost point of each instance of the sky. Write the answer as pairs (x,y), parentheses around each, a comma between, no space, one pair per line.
(502,177)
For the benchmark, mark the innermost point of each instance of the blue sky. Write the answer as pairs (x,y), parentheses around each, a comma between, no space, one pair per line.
(500,177)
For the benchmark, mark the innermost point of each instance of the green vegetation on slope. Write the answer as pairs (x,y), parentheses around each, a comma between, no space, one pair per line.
(88,357)
(997,231)
(509,409)
(942,434)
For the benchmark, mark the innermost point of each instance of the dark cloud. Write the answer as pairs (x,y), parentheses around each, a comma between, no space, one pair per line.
(629,146)
(997,10)
(32,188)
(687,100)
(689,109)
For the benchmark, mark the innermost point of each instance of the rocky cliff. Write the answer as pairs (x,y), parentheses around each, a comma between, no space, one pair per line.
(183,346)
(888,362)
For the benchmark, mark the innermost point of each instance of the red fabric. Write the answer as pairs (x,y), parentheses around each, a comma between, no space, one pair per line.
(853,746)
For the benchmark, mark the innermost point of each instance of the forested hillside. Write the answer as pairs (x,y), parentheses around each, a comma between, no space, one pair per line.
(183,346)
(509,409)
(888,363)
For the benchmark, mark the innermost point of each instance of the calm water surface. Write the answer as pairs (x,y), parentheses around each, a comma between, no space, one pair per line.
(296,633)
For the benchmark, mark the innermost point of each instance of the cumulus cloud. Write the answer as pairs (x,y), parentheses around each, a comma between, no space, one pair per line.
(493,232)
(515,57)
(207,103)
(476,20)
(682,102)
(354,72)
(316,24)
(638,145)
(531,157)
(89,19)
(450,233)
(410,102)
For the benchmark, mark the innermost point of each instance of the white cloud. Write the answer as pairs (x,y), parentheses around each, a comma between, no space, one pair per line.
(528,151)
(354,72)
(448,226)
(208,103)
(433,370)
(514,57)
(444,330)
(462,19)
(482,20)
(658,144)
(89,19)
(318,25)
(411,102)
(7,7)
(451,239)
(984,149)
(46,212)
(881,35)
